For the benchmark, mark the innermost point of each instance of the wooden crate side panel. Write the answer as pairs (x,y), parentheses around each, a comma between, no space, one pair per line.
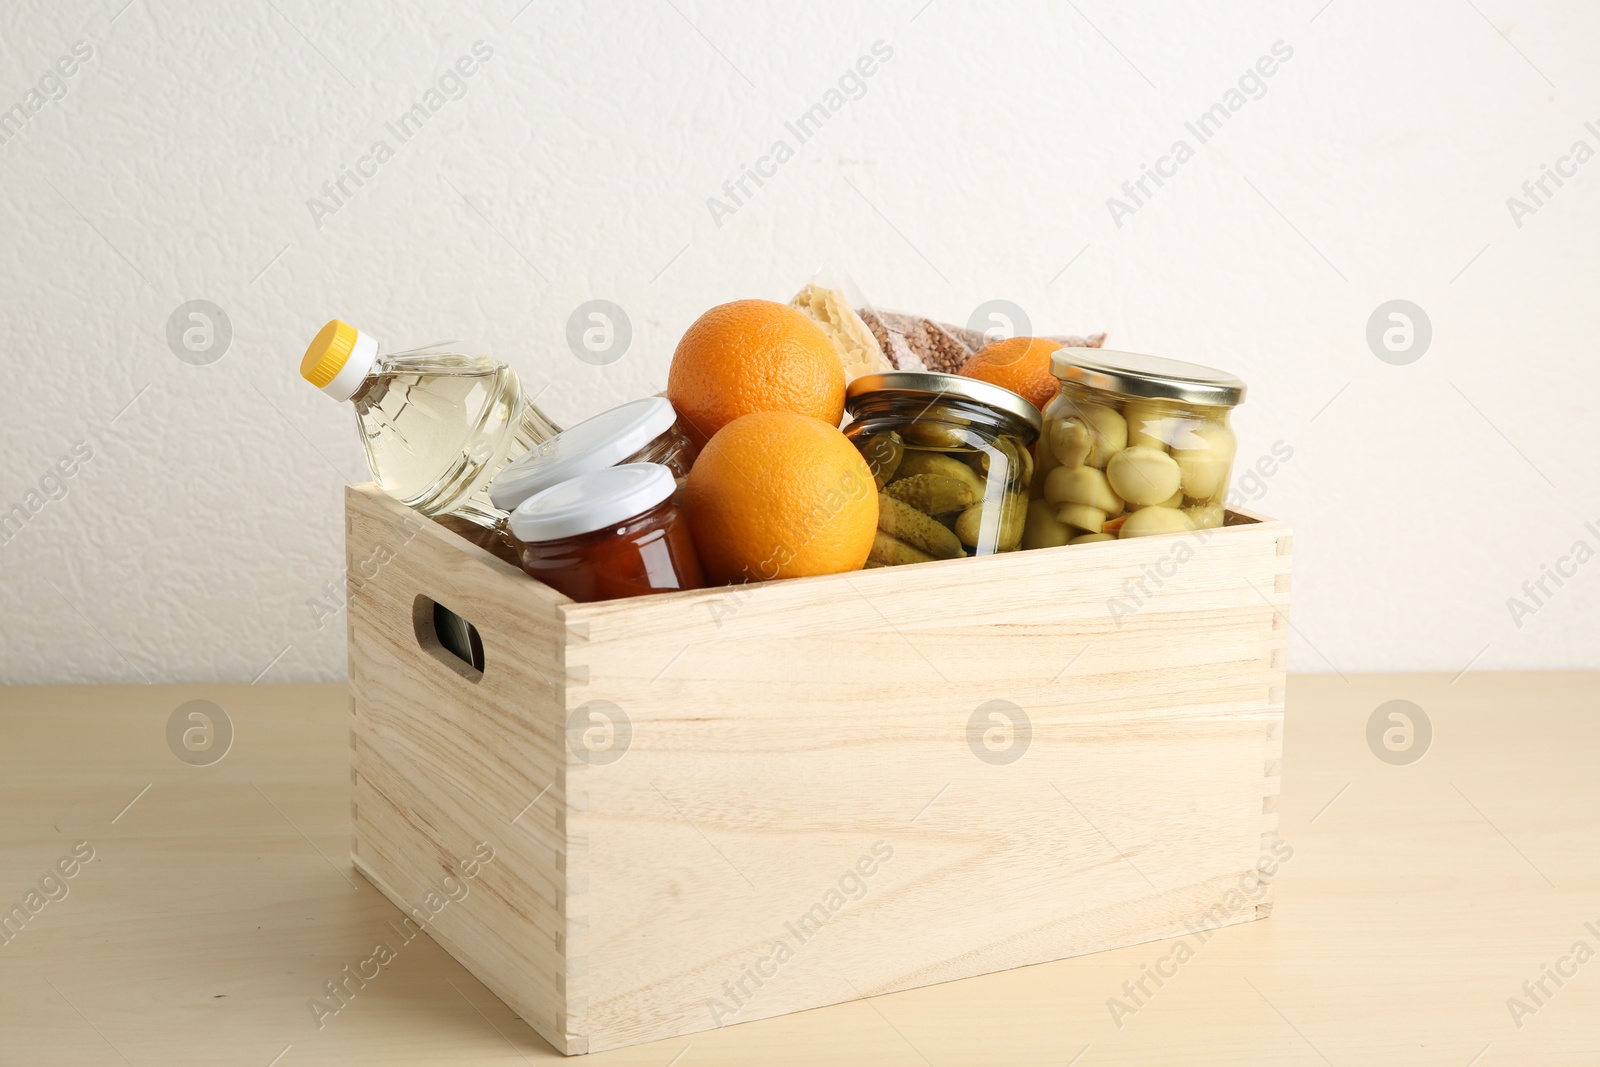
(779,738)
(1278,651)
(496,923)
(993,589)
(967,876)
(442,760)
(493,736)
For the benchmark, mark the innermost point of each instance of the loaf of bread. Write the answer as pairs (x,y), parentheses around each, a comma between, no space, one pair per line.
(858,349)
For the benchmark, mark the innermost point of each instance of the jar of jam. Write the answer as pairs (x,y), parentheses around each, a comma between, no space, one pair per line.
(1133,445)
(640,431)
(612,533)
(950,456)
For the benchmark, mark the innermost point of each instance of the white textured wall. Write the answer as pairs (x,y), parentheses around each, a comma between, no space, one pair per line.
(976,165)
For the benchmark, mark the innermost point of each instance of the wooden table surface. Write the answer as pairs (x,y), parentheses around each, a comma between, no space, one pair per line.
(1419,900)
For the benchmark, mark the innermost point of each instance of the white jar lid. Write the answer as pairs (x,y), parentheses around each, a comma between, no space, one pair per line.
(592,502)
(593,444)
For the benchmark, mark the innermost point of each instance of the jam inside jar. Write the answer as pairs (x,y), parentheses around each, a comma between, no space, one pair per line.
(610,534)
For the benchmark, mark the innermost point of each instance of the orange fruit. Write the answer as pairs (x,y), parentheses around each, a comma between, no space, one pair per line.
(776,494)
(1020,364)
(753,355)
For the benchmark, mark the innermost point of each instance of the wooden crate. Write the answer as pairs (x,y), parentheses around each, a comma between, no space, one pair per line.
(815,790)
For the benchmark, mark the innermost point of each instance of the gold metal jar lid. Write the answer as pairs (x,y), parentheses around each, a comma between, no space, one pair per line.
(928,386)
(1151,377)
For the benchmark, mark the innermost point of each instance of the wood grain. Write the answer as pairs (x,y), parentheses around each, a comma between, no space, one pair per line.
(443,758)
(1417,901)
(777,736)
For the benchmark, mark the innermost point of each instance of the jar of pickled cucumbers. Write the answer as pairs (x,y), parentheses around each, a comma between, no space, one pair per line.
(1132,445)
(952,462)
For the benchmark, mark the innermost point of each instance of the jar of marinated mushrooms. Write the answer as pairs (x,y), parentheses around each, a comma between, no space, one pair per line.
(951,459)
(1132,445)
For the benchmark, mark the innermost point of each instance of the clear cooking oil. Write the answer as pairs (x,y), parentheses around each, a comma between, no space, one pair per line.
(436,425)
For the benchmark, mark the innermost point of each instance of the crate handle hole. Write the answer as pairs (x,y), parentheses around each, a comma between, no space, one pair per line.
(448,637)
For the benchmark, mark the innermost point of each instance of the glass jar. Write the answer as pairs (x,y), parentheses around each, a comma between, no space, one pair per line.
(608,534)
(950,457)
(640,431)
(1133,445)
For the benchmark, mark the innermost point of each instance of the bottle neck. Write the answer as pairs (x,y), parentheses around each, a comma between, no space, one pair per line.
(357,371)
(367,388)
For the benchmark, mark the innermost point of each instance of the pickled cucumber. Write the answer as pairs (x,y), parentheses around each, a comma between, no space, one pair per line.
(1019,462)
(892,553)
(929,434)
(883,453)
(920,462)
(1143,475)
(933,494)
(1041,529)
(910,526)
(1025,454)
(1013,512)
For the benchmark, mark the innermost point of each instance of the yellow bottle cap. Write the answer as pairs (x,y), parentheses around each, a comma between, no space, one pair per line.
(339,359)
(326,354)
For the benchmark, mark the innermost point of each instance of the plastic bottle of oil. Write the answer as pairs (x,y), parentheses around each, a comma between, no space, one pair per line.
(436,425)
